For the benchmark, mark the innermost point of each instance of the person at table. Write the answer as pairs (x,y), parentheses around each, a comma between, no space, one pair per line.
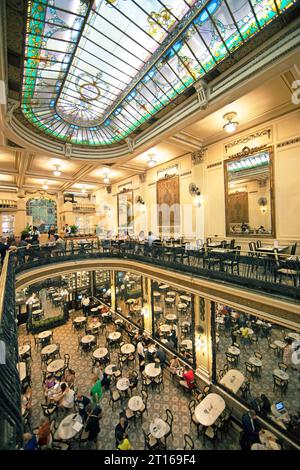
(96,391)
(92,426)
(34,232)
(26,399)
(189,378)
(60,244)
(85,305)
(69,377)
(29,441)
(84,405)
(64,398)
(251,426)
(265,405)
(288,352)
(51,231)
(174,365)
(146,340)
(44,432)
(140,350)
(49,383)
(120,430)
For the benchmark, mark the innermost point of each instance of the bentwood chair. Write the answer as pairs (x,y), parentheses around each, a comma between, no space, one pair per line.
(188,442)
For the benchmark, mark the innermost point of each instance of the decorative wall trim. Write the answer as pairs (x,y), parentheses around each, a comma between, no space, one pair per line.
(168,172)
(186,173)
(249,151)
(288,142)
(247,138)
(212,165)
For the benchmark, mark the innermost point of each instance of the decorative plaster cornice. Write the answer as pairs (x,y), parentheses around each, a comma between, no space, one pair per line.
(198,156)
(288,142)
(247,138)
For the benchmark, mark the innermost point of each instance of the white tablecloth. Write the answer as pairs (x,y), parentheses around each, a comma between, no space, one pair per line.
(233,380)
(210,408)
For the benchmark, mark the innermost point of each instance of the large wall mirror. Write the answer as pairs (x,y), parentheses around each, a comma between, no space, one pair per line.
(125,211)
(249,194)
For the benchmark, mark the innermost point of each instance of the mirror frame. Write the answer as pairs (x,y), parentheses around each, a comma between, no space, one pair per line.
(246,152)
(126,191)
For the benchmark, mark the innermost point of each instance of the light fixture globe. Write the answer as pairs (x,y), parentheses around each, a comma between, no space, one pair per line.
(57,171)
(231,125)
(151,162)
(45,185)
(106,179)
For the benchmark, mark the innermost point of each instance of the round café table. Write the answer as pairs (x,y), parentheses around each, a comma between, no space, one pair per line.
(69,427)
(152,349)
(181,306)
(171,293)
(109,369)
(87,339)
(79,320)
(164,287)
(169,300)
(93,325)
(294,336)
(157,310)
(119,321)
(135,403)
(159,428)
(100,353)
(94,309)
(151,370)
(268,440)
(156,295)
(187,343)
(209,409)
(55,366)
(114,336)
(127,348)
(44,334)
(255,361)
(171,317)
(185,298)
(50,349)
(234,350)
(123,384)
(281,374)
(25,349)
(165,328)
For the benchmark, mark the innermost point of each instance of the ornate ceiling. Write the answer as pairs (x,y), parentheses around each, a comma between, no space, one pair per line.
(95,73)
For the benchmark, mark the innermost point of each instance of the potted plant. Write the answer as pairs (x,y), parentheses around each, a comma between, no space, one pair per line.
(74,230)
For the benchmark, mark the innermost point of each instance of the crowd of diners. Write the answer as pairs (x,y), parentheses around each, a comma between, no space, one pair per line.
(62,395)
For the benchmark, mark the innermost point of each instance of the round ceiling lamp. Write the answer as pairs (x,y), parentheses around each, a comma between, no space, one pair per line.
(231,125)
(45,185)
(57,171)
(83,189)
(151,162)
(106,173)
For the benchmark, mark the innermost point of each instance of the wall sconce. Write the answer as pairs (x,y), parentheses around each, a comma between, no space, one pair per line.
(139,200)
(195,192)
(231,125)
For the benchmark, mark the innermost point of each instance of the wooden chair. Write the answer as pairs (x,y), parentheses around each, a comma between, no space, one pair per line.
(282,366)
(188,442)
(114,397)
(280,384)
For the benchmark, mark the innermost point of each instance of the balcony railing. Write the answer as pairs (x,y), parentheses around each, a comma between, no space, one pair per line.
(264,272)
(11,427)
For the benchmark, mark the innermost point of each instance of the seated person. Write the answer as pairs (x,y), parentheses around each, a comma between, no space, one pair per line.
(84,405)
(65,398)
(251,426)
(69,377)
(174,365)
(50,385)
(105,382)
(146,340)
(29,441)
(44,432)
(189,378)
(26,399)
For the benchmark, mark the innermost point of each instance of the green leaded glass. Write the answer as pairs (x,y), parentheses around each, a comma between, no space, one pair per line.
(95,71)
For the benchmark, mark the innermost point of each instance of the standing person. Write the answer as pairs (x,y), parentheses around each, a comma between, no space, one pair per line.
(96,391)
(84,405)
(141,236)
(67,230)
(92,426)
(125,444)
(251,426)
(151,238)
(287,352)
(140,351)
(85,305)
(34,232)
(120,430)
(44,432)
(3,250)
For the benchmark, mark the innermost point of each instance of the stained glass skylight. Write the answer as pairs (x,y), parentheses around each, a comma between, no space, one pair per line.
(94,71)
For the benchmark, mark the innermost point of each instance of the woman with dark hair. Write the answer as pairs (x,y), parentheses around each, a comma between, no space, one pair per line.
(265,405)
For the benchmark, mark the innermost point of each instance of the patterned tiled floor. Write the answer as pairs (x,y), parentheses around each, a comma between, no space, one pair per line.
(171,397)
(264,384)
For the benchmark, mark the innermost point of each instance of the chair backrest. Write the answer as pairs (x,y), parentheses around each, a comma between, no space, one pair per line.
(208,241)
(258,244)
(206,389)
(170,418)
(252,246)
(232,242)
(282,366)
(249,367)
(225,368)
(293,249)
(188,442)
(192,405)
(236,345)
(258,354)
(144,396)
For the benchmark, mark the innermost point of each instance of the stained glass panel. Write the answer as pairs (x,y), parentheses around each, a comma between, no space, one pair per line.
(95,71)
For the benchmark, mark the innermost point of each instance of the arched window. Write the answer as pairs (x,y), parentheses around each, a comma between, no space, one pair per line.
(43,213)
